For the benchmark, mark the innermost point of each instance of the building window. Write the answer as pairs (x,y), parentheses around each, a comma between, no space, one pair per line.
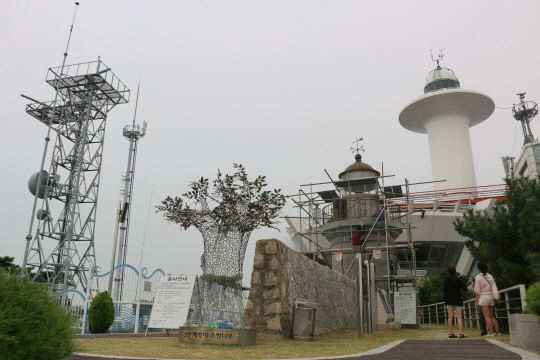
(434,257)
(453,254)
(474,271)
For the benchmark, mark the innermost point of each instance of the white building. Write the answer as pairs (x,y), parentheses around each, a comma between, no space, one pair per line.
(528,163)
(445,112)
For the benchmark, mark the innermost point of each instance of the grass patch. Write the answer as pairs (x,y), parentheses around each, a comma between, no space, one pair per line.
(334,343)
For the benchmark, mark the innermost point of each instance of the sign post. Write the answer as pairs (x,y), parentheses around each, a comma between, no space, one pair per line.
(172,301)
(405,309)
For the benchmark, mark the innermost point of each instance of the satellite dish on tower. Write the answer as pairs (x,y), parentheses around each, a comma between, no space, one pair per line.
(33,183)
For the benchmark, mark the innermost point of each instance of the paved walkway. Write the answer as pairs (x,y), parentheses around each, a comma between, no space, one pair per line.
(417,349)
(443,350)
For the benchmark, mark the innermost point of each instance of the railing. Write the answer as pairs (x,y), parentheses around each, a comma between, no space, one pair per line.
(449,200)
(512,301)
(135,292)
(455,200)
(70,75)
(327,213)
(133,309)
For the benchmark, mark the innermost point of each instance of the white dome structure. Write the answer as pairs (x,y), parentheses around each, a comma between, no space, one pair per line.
(440,78)
(446,112)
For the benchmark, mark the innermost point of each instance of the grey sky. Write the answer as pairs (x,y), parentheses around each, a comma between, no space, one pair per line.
(282,87)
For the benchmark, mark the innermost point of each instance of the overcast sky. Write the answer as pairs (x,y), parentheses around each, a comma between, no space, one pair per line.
(282,87)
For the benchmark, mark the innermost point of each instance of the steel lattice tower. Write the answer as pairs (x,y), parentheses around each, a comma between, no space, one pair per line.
(62,249)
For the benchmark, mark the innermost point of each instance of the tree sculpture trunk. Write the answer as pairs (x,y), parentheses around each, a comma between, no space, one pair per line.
(224,253)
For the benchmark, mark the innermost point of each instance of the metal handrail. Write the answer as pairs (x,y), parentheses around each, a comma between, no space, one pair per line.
(471,313)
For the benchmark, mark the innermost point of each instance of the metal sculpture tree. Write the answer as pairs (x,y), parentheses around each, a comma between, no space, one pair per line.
(226,216)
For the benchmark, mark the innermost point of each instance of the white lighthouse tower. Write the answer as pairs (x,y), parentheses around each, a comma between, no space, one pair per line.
(446,112)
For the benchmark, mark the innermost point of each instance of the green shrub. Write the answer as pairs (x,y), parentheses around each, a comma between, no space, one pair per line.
(101,313)
(33,325)
(533,299)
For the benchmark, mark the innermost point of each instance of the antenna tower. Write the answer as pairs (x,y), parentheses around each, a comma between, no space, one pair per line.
(524,112)
(132,133)
(508,164)
(61,251)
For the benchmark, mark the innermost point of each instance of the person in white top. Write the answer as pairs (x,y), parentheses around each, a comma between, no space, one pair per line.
(484,298)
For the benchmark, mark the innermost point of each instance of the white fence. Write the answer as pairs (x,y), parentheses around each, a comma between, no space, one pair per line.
(133,295)
(512,301)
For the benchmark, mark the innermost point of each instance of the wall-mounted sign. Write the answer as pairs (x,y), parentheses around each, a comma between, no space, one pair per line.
(376,254)
(339,256)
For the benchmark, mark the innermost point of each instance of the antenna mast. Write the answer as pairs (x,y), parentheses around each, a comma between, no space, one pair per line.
(441,55)
(524,112)
(132,133)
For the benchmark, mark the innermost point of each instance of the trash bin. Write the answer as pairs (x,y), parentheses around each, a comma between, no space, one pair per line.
(304,316)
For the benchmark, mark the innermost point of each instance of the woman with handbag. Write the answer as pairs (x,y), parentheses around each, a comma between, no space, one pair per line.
(487,296)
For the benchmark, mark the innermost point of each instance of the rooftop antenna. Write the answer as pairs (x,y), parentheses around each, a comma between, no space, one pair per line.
(358,147)
(137,102)
(524,112)
(441,55)
(132,133)
(508,164)
(62,248)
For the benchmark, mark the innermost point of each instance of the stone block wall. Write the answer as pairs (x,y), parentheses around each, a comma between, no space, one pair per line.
(282,275)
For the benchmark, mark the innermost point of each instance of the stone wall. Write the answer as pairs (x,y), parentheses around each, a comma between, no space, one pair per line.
(282,275)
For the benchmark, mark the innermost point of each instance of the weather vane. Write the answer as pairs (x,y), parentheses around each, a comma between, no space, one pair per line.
(358,147)
(441,55)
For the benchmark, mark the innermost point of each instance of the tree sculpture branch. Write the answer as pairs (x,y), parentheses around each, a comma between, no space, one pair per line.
(225,216)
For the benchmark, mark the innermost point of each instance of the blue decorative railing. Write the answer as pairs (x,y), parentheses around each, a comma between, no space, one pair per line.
(138,289)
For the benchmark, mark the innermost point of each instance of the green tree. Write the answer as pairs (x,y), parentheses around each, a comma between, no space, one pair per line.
(430,290)
(101,313)
(7,264)
(507,238)
(33,325)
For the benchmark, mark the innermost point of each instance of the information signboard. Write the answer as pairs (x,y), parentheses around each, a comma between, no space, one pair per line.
(405,310)
(171,304)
